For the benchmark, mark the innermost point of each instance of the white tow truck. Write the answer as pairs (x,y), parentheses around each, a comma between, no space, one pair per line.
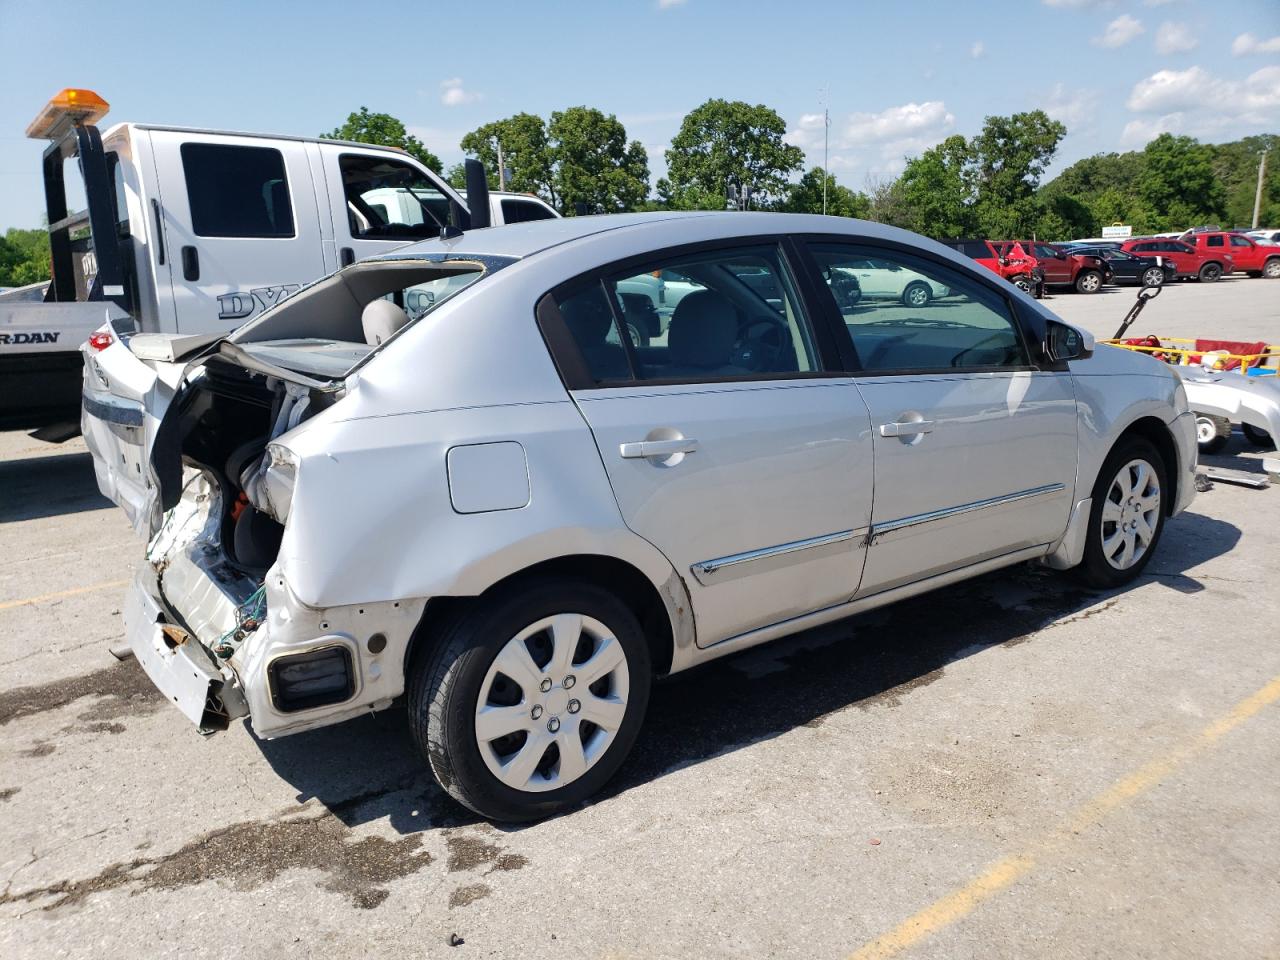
(188,233)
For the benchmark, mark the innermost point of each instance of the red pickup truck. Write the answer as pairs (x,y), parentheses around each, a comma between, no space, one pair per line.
(1255,258)
(1189,261)
(1064,268)
(1008,259)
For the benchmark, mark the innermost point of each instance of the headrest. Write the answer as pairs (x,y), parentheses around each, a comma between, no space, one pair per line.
(380,320)
(587,317)
(704,328)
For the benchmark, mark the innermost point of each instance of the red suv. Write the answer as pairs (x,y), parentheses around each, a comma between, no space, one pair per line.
(1063,268)
(1188,261)
(1254,258)
(1008,259)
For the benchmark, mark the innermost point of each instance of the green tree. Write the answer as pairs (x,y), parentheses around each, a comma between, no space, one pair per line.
(934,190)
(384,130)
(1010,156)
(526,152)
(594,163)
(1180,187)
(725,142)
(806,197)
(24,257)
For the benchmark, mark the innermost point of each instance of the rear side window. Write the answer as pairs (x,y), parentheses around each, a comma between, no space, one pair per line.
(237,191)
(1215,241)
(520,211)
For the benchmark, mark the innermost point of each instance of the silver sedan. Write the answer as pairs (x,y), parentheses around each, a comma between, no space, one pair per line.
(451,477)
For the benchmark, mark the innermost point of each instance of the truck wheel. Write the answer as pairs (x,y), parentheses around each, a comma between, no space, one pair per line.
(1256,435)
(1023,283)
(638,338)
(1271,269)
(1088,281)
(1210,435)
(1152,277)
(917,294)
(1210,272)
(1127,515)
(531,700)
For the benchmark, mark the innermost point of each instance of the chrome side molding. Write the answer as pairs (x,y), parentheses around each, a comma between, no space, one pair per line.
(710,572)
(880,530)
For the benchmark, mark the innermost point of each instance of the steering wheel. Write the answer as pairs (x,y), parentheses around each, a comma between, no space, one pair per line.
(762,352)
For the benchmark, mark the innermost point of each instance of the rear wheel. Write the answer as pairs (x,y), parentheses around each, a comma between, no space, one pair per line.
(1023,283)
(1088,281)
(638,338)
(1152,277)
(1271,269)
(1127,515)
(917,294)
(1210,272)
(532,699)
(1256,435)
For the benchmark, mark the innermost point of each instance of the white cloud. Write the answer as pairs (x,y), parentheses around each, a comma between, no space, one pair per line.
(1247,44)
(978,50)
(1072,105)
(1156,3)
(1175,38)
(1078,4)
(668,4)
(1196,102)
(911,120)
(453,94)
(1119,31)
(873,144)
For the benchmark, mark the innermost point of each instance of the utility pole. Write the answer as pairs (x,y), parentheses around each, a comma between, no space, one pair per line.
(502,166)
(826,136)
(1257,197)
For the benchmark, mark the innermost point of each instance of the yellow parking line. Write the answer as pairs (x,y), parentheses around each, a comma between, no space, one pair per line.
(960,903)
(6,604)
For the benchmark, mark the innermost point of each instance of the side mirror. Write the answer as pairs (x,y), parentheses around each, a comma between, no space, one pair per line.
(1064,342)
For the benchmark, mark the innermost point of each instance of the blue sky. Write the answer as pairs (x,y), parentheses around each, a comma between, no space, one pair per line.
(899,76)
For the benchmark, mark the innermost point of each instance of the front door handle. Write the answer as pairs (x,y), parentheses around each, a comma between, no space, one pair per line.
(656,449)
(190,264)
(906,428)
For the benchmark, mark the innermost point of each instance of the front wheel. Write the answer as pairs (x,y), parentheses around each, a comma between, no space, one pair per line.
(532,700)
(1212,433)
(1210,272)
(1127,515)
(1023,283)
(1152,277)
(917,294)
(1089,281)
(1271,269)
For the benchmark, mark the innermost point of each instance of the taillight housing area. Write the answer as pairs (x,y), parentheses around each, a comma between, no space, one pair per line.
(317,678)
(100,340)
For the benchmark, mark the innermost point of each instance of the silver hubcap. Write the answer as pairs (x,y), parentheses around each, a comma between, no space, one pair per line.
(552,702)
(1206,430)
(1130,514)
(918,297)
(1090,283)
(1272,269)
(1153,277)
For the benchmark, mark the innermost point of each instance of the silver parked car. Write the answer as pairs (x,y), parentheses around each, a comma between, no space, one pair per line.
(500,508)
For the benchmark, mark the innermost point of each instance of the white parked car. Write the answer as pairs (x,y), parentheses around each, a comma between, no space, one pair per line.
(880,279)
(510,516)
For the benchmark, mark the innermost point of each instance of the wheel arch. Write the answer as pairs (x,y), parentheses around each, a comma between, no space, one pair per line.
(1156,432)
(617,576)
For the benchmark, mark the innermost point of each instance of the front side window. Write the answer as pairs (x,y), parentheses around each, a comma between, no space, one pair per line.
(1240,242)
(935,318)
(727,315)
(389,199)
(237,191)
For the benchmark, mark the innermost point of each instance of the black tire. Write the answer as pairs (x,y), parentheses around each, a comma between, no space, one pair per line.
(445,686)
(917,294)
(1210,273)
(1023,283)
(1152,277)
(1094,568)
(1207,437)
(1088,281)
(1257,436)
(1271,269)
(638,337)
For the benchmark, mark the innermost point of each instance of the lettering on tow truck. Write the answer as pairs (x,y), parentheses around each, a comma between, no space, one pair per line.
(39,336)
(238,305)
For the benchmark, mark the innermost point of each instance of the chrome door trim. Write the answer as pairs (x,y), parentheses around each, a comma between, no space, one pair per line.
(711,572)
(879,530)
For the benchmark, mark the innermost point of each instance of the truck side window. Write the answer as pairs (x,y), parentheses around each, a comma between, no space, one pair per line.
(519,211)
(237,191)
(387,199)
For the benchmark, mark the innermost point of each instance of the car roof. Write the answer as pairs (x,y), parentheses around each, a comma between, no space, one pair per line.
(664,228)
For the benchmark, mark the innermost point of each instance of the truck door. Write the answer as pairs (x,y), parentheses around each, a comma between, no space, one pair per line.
(241,225)
(379,200)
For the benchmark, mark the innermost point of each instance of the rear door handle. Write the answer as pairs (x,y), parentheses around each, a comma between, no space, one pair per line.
(190,264)
(906,428)
(656,449)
